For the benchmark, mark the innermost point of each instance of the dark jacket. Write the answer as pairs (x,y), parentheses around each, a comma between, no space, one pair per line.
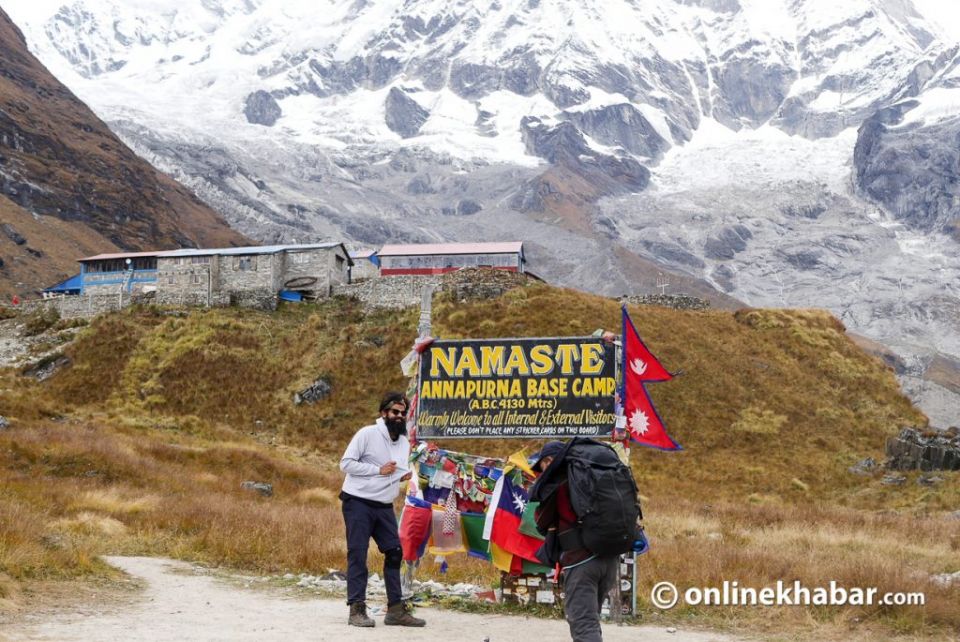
(564,491)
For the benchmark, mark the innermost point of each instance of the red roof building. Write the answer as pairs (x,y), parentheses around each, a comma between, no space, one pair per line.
(439,258)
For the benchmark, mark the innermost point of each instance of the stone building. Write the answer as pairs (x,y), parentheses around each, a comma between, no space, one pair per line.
(366,265)
(244,275)
(440,258)
(252,275)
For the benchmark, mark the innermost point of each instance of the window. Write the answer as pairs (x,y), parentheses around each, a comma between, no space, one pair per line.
(199,259)
(340,262)
(298,257)
(244,263)
(196,279)
(170,279)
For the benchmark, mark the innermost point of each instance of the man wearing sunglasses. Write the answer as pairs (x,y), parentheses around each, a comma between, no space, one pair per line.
(376,463)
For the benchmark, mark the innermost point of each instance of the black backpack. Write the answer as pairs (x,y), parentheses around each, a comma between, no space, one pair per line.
(604,497)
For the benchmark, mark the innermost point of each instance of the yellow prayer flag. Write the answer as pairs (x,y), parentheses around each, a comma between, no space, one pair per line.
(519,459)
(501,559)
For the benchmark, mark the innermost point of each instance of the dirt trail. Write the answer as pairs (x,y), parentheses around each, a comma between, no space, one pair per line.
(181,602)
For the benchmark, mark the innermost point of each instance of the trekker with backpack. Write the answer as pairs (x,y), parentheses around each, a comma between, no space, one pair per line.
(589,513)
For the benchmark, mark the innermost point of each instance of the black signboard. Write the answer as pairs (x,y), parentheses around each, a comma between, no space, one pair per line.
(557,387)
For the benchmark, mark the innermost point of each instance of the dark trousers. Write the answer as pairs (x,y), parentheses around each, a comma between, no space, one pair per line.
(584,588)
(364,521)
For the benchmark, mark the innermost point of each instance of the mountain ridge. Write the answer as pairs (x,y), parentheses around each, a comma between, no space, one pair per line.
(69,187)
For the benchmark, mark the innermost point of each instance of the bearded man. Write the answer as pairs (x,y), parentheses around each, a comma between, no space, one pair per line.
(376,463)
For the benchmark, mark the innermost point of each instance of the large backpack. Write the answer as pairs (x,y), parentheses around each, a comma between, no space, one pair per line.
(604,497)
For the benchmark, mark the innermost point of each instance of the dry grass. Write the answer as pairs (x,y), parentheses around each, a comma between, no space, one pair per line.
(140,448)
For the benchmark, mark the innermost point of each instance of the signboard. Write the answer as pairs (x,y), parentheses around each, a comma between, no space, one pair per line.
(557,387)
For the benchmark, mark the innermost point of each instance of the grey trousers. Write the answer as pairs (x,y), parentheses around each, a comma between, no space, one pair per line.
(584,589)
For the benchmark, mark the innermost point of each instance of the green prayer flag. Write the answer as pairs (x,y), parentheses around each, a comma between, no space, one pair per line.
(528,525)
(532,568)
(473,535)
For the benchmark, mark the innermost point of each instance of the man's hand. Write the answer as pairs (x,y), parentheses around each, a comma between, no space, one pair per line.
(388,468)
(406,477)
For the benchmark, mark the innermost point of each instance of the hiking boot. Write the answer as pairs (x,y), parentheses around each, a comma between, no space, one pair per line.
(358,615)
(399,615)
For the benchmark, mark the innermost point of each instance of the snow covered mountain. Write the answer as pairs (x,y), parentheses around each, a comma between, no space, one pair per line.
(784,152)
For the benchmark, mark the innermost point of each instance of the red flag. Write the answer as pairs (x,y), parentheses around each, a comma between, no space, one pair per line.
(643,423)
(638,361)
(414,530)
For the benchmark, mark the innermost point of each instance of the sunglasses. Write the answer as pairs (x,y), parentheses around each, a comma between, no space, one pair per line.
(397,413)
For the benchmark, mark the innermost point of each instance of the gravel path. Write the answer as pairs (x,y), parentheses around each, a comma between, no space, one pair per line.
(182,602)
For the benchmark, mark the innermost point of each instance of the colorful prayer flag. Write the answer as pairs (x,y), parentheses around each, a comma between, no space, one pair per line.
(519,459)
(414,528)
(473,535)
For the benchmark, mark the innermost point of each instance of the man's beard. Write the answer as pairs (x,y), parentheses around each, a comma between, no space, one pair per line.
(396,427)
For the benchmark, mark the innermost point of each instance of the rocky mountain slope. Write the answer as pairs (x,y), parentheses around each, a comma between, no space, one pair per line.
(69,187)
(797,153)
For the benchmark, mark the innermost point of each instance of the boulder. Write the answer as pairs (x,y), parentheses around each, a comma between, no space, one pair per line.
(263,488)
(317,391)
(403,114)
(262,109)
(914,450)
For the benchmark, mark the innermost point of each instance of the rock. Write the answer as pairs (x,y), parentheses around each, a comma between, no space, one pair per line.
(12,234)
(894,480)
(334,576)
(472,81)
(912,450)
(317,391)
(4,423)
(262,109)
(621,126)
(467,207)
(261,487)
(753,90)
(912,170)
(946,580)
(727,243)
(671,629)
(929,480)
(46,367)
(420,185)
(403,114)
(864,466)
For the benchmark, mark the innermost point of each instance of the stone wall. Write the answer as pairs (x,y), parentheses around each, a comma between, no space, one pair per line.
(327,266)
(388,292)
(79,306)
(182,281)
(404,291)
(675,301)
(248,272)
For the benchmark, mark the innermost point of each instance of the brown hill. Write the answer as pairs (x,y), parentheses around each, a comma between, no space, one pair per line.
(69,186)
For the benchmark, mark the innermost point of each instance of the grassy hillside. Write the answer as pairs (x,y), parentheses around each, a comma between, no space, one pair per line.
(140,447)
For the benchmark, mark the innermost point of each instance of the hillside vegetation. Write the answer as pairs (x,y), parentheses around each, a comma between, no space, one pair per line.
(140,446)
